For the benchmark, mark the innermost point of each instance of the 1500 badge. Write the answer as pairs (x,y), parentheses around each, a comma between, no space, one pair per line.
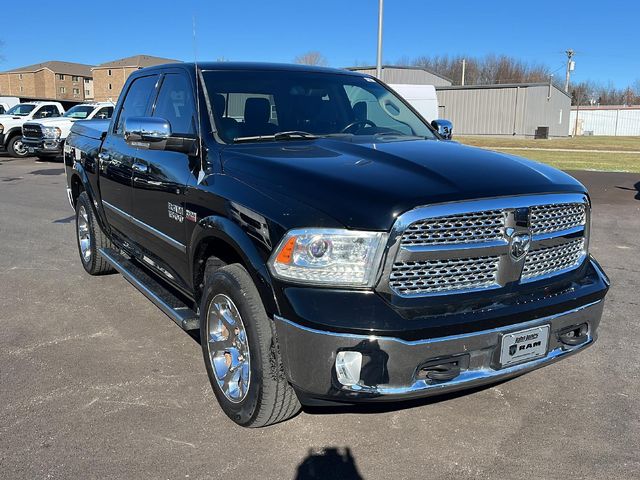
(177,213)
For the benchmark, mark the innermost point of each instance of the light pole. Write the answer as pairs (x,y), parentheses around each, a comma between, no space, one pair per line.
(379,61)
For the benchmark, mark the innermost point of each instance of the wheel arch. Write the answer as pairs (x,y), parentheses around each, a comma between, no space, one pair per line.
(12,132)
(78,181)
(221,238)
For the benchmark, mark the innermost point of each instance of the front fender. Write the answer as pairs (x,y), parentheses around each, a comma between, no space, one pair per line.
(10,133)
(221,228)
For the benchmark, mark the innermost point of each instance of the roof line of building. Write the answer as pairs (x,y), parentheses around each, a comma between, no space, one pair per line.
(501,85)
(402,67)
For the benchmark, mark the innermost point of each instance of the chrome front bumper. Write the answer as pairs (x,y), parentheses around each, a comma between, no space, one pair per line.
(44,145)
(391,370)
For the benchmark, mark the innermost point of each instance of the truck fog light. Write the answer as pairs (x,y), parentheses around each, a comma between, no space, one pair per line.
(348,366)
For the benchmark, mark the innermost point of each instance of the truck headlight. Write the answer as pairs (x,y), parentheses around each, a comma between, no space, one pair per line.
(51,132)
(328,257)
(1,128)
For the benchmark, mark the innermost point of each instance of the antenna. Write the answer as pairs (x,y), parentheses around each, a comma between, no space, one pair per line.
(195,63)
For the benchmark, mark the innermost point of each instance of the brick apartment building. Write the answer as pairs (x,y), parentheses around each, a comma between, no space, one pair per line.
(109,78)
(62,81)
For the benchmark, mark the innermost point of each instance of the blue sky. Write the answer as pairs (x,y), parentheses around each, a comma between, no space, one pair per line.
(343,30)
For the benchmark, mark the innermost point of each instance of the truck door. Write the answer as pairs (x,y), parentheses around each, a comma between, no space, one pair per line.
(117,157)
(159,182)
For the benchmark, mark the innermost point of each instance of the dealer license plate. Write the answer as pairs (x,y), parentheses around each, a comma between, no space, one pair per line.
(525,345)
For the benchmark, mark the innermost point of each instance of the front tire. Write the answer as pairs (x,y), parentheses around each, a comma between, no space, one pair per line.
(16,148)
(241,351)
(90,238)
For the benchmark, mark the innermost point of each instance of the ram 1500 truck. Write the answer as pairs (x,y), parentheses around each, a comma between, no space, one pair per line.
(45,138)
(328,243)
(11,123)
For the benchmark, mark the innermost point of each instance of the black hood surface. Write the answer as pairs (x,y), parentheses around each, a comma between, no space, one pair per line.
(366,186)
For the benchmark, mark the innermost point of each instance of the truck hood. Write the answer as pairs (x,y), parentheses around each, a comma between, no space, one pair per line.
(366,186)
(54,122)
(11,121)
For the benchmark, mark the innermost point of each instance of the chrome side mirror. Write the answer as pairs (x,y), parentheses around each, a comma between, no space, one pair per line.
(147,132)
(444,128)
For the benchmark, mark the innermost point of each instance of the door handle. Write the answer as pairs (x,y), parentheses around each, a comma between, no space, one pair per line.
(140,167)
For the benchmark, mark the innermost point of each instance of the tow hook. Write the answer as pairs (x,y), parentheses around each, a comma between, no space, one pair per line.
(443,369)
(574,335)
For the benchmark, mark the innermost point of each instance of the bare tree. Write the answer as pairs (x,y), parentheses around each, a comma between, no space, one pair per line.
(312,58)
(489,69)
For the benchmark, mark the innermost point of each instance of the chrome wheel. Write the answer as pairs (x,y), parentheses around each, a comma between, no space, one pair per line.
(84,234)
(228,348)
(19,148)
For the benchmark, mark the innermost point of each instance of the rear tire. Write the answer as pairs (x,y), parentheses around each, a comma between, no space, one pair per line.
(16,148)
(243,361)
(90,238)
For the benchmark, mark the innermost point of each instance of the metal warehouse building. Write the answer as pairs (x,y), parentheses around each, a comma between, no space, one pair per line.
(605,120)
(509,109)
(406,75)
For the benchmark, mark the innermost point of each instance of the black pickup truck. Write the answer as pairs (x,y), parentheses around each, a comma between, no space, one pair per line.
(329,243)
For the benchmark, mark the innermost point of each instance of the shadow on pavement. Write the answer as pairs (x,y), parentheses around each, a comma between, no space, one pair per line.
(328,463)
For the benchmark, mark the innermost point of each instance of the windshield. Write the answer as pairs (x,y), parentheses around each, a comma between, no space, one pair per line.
(275,105)
(79,111)
(21,110)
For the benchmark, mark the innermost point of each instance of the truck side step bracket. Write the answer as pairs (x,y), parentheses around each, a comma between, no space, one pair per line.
(171,305)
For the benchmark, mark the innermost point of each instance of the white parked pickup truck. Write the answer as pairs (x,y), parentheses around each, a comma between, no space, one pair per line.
(8,102)
(45,138)
(11,123)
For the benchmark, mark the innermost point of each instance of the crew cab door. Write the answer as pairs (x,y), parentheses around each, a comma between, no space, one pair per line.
(116,157)
(159,180)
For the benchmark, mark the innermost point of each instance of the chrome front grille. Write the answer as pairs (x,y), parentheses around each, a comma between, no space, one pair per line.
(557,217)
(452,229)
(469,246)
(433,276)
(549,260)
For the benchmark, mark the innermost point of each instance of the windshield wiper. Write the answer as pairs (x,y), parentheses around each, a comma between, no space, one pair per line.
(292,135)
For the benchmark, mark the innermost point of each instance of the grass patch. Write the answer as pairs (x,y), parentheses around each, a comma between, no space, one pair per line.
(605,159)
(579,143)
(600,161)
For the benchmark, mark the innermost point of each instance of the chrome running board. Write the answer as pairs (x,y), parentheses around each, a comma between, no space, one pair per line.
(171,305)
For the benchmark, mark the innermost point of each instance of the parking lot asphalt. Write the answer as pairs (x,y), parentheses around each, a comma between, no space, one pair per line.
(95,382)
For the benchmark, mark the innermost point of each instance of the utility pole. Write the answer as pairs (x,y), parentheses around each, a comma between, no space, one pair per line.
(570,53)
(379,61)
(464,64)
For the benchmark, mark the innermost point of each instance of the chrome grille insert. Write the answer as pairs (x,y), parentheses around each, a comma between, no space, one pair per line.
(453,248)
(550,260)
(453,229)
(556,217)
(433,276)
